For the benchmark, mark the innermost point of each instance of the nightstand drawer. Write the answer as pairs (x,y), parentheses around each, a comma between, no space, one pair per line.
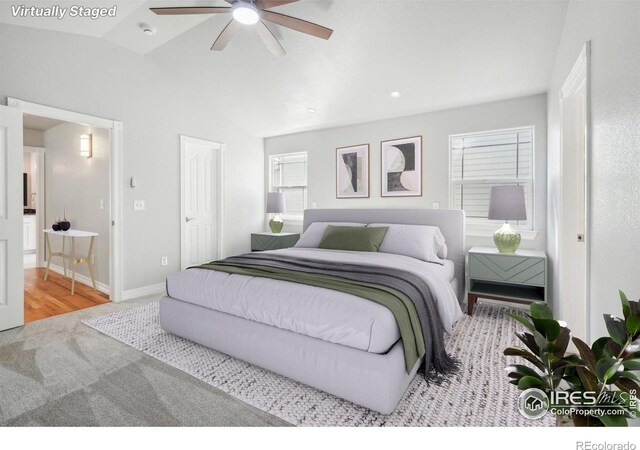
(508,269)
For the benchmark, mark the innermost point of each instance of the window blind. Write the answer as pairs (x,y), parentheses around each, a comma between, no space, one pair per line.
(480,161)
(289,175)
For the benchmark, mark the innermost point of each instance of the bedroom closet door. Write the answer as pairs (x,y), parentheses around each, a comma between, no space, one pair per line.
(11,219)
(201,220)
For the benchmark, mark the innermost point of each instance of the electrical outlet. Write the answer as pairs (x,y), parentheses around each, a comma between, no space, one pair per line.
(314,205)
(138,205)
(164,261)
(436,205)
(101,203)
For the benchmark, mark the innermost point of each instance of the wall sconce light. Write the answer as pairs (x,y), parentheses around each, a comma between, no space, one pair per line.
(86,146)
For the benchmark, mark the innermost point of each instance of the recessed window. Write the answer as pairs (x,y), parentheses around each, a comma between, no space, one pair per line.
(288,174)
(492,158)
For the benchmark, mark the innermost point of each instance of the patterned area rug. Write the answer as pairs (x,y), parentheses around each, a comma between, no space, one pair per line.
(479,395)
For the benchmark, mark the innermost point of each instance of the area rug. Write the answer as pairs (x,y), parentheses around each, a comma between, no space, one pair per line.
(478,395)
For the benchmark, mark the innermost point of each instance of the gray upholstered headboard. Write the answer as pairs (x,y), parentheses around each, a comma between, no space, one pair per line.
(450,221)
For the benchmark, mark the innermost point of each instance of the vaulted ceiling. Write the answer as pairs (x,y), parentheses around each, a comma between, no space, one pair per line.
(437,54)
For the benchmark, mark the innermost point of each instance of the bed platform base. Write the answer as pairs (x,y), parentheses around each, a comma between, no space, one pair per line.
(375,381)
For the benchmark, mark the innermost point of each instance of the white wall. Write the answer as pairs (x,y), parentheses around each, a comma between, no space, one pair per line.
(613,30)
(79,184)
(435,128)
(92,76)
(32,138)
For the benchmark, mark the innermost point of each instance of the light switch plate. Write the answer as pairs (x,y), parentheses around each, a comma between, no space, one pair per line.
(138,205)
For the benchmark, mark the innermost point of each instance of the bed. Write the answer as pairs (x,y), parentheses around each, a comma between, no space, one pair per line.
(336,342)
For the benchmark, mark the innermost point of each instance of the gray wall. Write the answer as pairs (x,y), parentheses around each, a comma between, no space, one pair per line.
(435,128)
(78,184)
(92,76)
(613,30)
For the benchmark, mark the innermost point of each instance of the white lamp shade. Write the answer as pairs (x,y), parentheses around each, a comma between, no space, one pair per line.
(275,203)
(507,203)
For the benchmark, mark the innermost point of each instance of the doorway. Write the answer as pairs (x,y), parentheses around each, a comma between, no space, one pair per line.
(574,169)
(201,201)
(68,270)
(11,211)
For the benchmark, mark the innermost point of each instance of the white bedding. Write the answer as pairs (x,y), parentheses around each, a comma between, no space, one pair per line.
(316,312)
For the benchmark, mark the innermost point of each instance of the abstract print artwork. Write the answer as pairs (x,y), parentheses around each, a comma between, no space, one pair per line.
(401,161)
(352,171)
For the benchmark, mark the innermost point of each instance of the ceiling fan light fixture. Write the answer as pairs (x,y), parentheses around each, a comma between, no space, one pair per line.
(245,13)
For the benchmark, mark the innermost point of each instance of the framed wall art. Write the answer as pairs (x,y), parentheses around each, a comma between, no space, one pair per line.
(352,171)
(401,167)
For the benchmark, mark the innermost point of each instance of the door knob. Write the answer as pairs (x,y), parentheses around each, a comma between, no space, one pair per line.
(189,219)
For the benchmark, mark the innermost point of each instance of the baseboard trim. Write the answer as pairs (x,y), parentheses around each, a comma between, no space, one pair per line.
(102,287)
(151,289)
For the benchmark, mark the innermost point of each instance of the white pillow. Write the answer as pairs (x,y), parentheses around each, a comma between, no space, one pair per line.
(422,242)
(312,237)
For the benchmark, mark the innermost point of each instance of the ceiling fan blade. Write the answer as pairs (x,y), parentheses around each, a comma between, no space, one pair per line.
(225,36)
(266,4)
(269,40)
(297,24)
(182,10)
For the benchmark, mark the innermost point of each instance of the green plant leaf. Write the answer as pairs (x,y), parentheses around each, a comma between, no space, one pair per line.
(522,320)
(613,421)
(541,311)
(525,370)
(629,375)
(585,353)
(626,307)
(549,328)
(616,329)
(512,351)
(606,368)
(542,342)
(529,382)
(529,341)
(600,347)
(632,364)
(633,325)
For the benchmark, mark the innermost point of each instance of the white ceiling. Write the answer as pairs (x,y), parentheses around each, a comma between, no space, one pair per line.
(39,123)
(438,54)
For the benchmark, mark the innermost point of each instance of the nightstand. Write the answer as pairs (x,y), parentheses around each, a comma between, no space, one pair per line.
(273,241)
(519,277)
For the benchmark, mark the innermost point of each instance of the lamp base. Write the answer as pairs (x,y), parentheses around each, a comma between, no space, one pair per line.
(507,239)
(276,225)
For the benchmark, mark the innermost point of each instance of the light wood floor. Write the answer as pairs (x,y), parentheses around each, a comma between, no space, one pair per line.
(50,298)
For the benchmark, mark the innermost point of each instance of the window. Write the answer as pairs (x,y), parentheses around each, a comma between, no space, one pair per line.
(288,174)
(482,160)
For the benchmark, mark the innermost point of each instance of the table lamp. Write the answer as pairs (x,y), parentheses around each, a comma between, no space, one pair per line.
(507,203)
(276,206)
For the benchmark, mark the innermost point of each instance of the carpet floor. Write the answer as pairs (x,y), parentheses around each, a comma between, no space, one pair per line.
(59,372)
(478,395)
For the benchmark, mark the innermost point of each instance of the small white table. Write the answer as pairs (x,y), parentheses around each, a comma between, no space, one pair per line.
(73,234)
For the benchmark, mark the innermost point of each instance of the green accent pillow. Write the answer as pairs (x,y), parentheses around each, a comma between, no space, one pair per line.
(359,239)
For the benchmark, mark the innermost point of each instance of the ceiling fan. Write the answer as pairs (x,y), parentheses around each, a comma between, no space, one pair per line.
(251,12)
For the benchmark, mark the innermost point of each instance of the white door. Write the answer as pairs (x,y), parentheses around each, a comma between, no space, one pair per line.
(201,201)
(574,238)
(11,220)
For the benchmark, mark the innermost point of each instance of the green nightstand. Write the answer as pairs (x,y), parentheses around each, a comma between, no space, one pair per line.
(519,277)
(273,241)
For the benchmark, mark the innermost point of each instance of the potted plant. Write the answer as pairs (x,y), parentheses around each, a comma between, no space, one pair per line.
(597,387)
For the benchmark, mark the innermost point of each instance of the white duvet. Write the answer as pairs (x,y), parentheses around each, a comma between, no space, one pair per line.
(316,312)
